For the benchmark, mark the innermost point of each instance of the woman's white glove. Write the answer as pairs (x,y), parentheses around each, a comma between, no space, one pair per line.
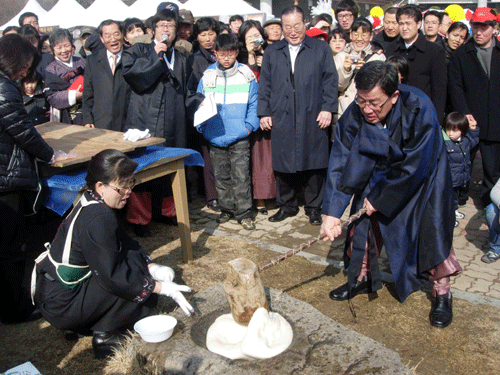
(161,273)
(174,290)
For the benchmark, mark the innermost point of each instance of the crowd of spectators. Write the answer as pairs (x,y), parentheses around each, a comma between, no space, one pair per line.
(156,73)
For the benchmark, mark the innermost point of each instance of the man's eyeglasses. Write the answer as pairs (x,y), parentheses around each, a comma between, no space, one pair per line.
(165,26)
(123,190)
(116,35)
(363,103)
(345,16)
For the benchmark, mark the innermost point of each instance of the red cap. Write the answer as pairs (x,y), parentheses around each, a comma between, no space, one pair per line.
(482,15)
(314,32)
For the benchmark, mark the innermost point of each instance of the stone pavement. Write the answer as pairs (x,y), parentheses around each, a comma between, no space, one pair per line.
(479,282)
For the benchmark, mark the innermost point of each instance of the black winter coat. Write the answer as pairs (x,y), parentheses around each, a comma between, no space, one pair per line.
(472,92)
(294,102)
(20,143)
(197,63)
(105,96)
(37,106)
(459,156)
(158,100)
(427,68)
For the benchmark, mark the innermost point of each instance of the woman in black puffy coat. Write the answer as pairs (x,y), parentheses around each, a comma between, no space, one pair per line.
(20,145)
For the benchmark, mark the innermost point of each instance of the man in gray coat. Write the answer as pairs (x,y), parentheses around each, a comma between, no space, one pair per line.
(297,96)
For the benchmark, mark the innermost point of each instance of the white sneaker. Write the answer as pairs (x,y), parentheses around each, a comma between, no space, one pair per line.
(459,215)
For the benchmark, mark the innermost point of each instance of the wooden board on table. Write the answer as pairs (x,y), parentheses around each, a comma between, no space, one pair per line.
(86,142)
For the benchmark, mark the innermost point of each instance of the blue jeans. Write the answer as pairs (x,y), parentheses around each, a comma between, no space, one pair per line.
(491,212)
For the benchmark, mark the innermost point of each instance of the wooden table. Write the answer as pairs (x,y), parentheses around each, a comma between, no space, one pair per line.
(87,142)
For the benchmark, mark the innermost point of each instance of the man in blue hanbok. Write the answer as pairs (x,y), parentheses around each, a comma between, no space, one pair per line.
(388,154)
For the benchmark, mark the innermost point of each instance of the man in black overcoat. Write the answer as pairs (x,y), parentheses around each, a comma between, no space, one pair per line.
(474,89)
(297,96)
(106,94)
(157,74)
(426,59)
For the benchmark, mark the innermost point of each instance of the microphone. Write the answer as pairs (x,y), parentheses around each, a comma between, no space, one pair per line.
(164,39)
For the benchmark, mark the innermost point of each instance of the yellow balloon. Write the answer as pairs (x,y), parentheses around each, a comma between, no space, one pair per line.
(377,12)
(456,12)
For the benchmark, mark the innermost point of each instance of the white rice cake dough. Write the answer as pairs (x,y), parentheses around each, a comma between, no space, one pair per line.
(267,335)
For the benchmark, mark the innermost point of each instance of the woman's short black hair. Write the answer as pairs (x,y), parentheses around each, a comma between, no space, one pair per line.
(109,165)
(17,29)
(321,17)
(362,22)
(377,73)
(15,53)
(461,26)
(401,65)
(456,121)
(131,23)
(247,25)
(29,32)
(337,31)
(59,35)
(226,42)
(204,24)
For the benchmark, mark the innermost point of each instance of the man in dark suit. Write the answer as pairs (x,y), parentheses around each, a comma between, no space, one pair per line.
(426,59)
(106,94)
(474,89)
(297,96)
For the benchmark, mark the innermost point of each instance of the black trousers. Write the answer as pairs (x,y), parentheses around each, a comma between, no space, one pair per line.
(16,305)
(312,182)
(490,154)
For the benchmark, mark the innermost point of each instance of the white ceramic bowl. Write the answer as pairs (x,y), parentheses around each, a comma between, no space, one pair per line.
(156,328)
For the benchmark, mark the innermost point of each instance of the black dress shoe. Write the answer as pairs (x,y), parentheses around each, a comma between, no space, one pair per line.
(282,215)
(315,217)
(105,343)
(344,292)
(441,312)
(214,205)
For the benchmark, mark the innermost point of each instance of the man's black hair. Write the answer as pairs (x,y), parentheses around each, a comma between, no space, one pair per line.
(165,15)
(435,13)
(377,73)
(401,65)
(204,24)
(26,15)
(292,10)
(410,10)
(391,10)
(236,17)
(107,23)
(17,29)
(346,5)
(226,42)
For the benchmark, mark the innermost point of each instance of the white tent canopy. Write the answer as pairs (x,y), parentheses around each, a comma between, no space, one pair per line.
(101,10)
(144,9)
(66,13)
(31,6)
(201,8)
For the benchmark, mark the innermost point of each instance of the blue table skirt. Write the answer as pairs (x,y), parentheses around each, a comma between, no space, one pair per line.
(63,188)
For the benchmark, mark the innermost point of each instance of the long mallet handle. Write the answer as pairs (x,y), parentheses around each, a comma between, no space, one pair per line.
(313,240)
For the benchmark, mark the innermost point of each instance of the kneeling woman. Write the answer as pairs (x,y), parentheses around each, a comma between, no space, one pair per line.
(94,276)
